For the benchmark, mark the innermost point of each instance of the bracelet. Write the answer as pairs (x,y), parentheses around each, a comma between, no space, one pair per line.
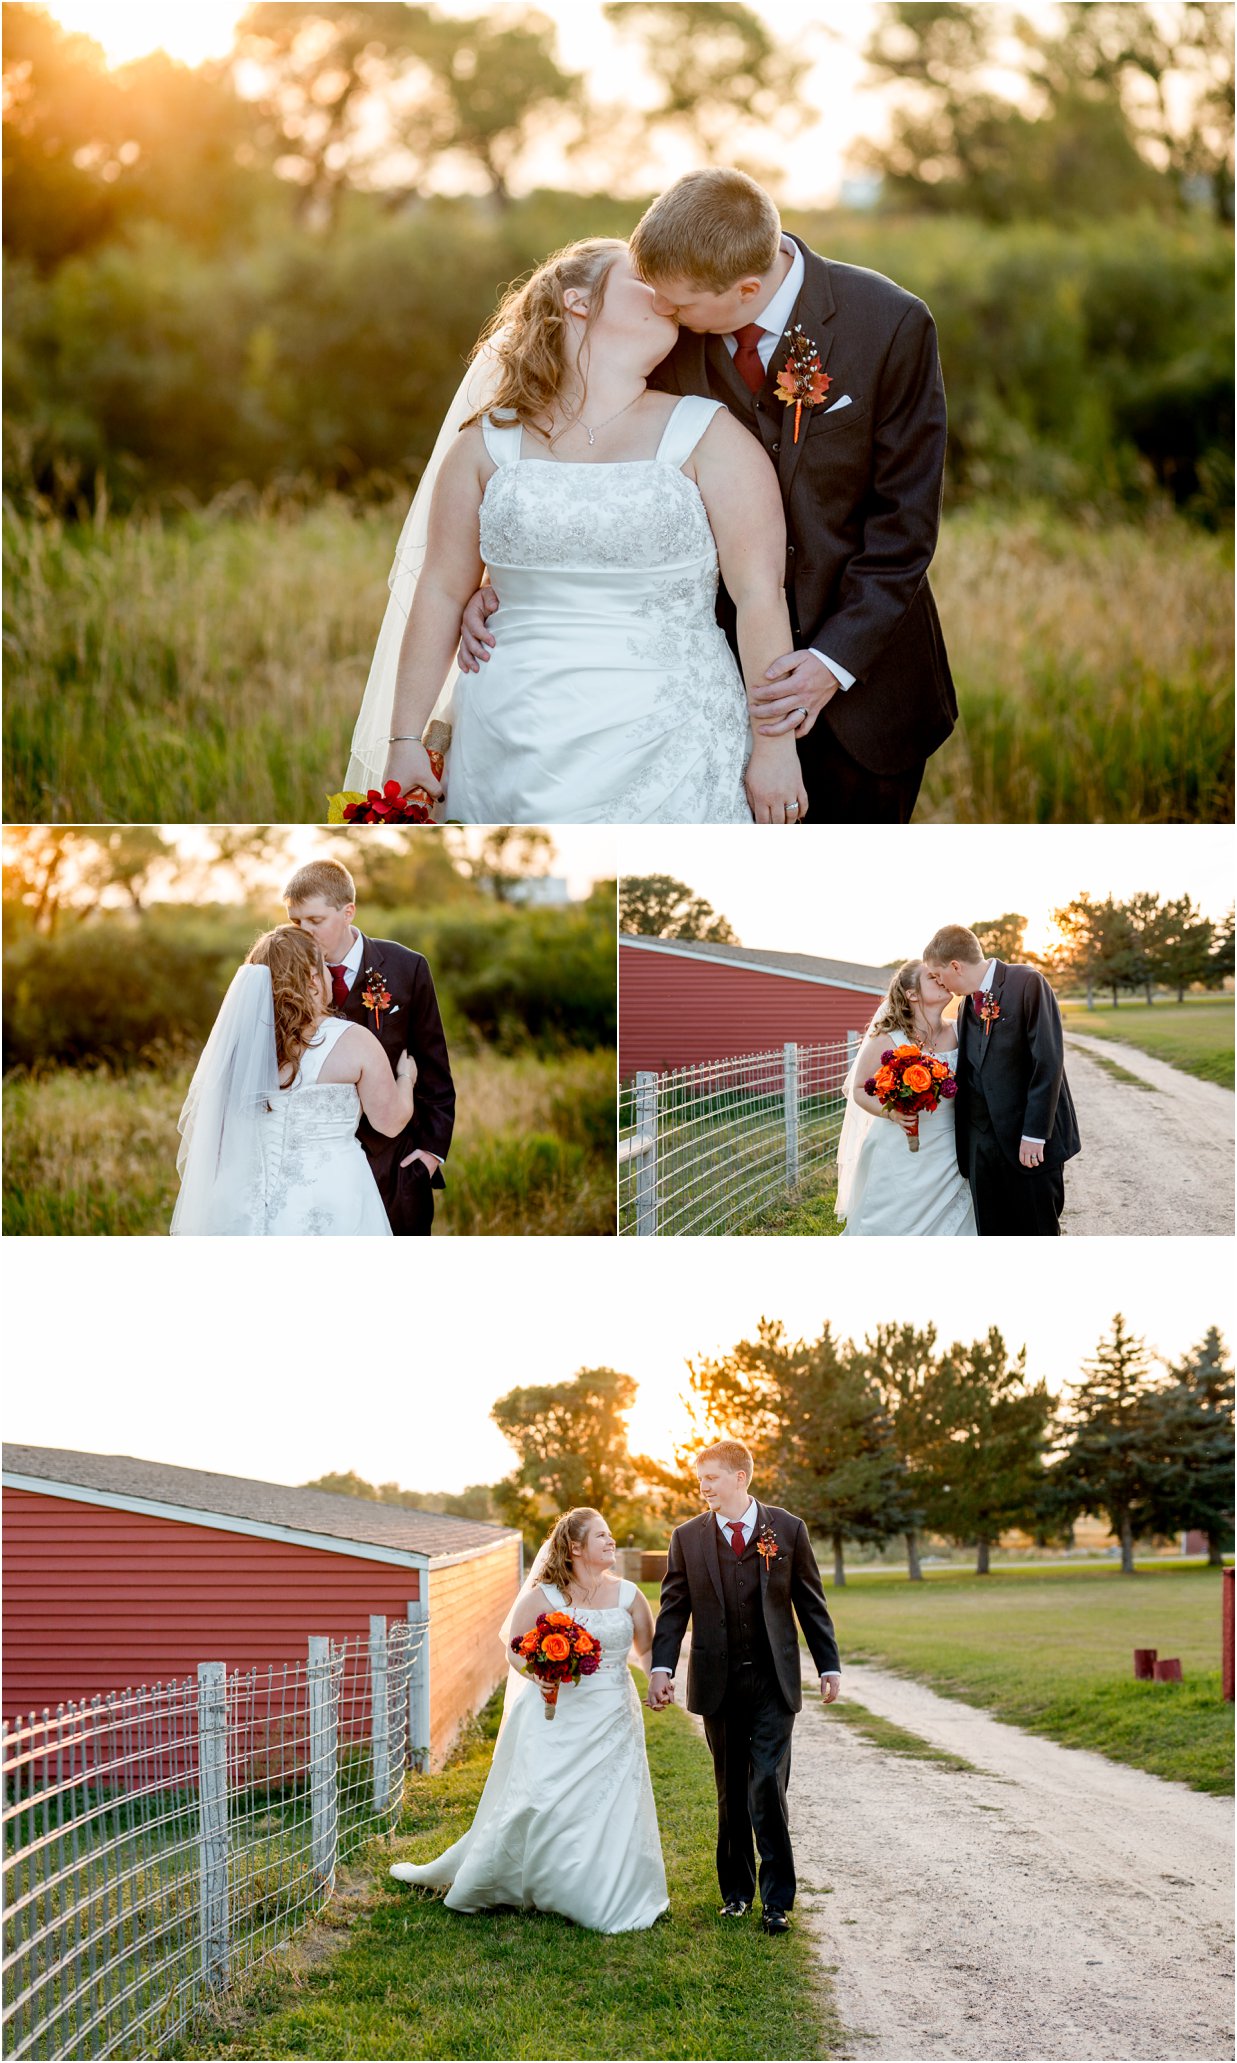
(403,738)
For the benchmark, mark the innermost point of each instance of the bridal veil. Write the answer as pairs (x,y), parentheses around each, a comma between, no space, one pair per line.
(235,1082)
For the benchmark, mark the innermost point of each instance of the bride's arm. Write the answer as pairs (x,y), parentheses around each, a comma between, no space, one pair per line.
(744,503)
(386,1099)
(451,573)
(866,1066)
(642,1630)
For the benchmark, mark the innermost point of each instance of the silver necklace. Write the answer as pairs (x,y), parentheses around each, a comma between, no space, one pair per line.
(592,437)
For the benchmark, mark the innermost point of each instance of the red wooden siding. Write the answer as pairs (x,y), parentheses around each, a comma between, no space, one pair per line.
(468,1602)
(96,1599)
(674,1011)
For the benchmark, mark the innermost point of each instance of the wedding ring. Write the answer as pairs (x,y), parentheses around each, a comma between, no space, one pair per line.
(800,716)
(791,808)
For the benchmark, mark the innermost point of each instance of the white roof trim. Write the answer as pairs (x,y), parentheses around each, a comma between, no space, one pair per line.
(223,1522)
(827,981)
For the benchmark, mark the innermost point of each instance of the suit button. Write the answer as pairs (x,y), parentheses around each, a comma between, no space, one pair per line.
(776,444)
(790,551)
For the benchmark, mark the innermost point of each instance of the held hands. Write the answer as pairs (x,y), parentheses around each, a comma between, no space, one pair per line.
(408,763)
(476,642)
(830,1688)
(406,1067)
(660,1691)
(1030,1154)
(797,681)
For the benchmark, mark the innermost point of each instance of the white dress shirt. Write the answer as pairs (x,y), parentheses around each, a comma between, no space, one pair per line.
(984,986)
(774,318)
(748,1523)
(351,962)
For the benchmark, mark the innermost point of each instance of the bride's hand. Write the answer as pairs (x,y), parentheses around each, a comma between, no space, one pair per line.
(406,1067)
(408,762)
(774,783)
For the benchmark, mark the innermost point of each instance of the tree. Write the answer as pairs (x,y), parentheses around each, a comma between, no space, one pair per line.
(1097,947)
(1220,959)
(1184,946)
(658,906)
(506,855)
(1002,938)
(902,1361)
(983,1468)
(1198,1436)
(1148,922)
(495,85)
(571,1440)
(61,133)
(718,67)
(476,1502)
(1114,1460)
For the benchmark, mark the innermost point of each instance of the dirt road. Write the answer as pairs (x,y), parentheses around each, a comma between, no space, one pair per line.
(1053,1905)
(1154,1160)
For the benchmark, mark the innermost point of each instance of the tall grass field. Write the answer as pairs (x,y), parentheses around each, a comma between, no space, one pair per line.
(208,668)
(1196,1036)
(533,1153)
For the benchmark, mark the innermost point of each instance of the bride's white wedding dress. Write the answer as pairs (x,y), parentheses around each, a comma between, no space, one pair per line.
(316,1179)
(898,1194)
(566,1822)
(611,695)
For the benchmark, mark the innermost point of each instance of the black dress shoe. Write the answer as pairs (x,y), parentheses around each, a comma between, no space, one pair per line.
(775,1922)
(734,1909)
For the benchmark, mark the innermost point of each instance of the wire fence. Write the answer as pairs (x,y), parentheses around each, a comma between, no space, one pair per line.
(158,1842)
(706,1149)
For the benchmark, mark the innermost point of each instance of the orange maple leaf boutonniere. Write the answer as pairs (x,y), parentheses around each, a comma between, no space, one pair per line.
(766,1545)
(989,1010)
(376,996)
(801,380)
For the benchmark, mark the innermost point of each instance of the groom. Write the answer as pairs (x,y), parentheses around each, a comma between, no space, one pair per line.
(1014,1115)
(741,1574)
(321,899)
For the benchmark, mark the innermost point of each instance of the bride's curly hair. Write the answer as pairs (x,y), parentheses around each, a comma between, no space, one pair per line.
(528,332)
(570,1530)
(896,1014)
(297,968)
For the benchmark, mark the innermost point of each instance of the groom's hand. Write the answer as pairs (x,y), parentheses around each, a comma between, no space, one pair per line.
(661,1690)
(476,642)
(431,1160)
(830,1687)
(1031,1153)
(798,680)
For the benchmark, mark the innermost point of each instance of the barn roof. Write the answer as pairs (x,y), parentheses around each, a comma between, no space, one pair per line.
(276,1506)
(847,974)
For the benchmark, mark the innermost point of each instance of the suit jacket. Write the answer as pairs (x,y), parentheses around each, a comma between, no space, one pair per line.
(411,1023)
(789,1588)
(862,492)
(1021,1063)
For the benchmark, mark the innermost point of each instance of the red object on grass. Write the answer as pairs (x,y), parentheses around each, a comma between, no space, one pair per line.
(1144,1664)
(1226,1634)
(1168,1672)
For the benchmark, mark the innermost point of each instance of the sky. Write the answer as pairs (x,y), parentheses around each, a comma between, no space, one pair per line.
(876,896)
(813,163)
(286,1364)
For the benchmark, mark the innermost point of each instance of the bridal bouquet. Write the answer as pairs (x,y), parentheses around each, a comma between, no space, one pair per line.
(389,804)
(909,1080)
(555,1651)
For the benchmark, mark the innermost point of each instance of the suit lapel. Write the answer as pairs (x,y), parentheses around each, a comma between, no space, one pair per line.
(354,1008)
(813,313)
(984,1032)
(721,378)
(709,1546)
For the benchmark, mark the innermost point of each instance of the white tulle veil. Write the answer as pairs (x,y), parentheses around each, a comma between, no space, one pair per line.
(373,725)
(234,1084)
(856,1124)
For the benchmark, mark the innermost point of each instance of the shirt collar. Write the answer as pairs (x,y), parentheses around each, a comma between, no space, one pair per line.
(986,983)
(352,958)
(776,317)
(747,1521)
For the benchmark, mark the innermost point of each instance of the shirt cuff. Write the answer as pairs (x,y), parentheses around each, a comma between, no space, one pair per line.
(844,680)
(1027,1140)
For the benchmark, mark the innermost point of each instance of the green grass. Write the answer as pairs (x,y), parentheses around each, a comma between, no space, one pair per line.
(895,1740)
(93,1152)
(414,1980)
(209,668)
(1052,1650)
(1196,1036)
(809,1214)
(1121,1074)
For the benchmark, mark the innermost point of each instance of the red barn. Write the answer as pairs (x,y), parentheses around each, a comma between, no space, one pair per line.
(121,1572)
(683,1001)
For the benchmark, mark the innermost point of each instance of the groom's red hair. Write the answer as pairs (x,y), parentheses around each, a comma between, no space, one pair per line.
(732,1454)
(711,228)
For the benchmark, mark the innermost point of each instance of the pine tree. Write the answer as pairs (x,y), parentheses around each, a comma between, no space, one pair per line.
(1115,1461)
(1198,1438)
(984,1471)
(901,1361)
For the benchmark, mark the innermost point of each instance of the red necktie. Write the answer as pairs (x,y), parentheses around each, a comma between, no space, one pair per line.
(736,1536)
(339,985)
(747,358)
(977,999)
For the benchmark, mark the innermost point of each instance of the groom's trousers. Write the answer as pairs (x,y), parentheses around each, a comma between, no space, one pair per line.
(749,1737)
(1010,1202)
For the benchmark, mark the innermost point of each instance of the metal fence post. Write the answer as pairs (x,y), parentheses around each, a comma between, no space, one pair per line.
(790,1109)
(379,1712)
(646,1158)
(213,1820)
(323,1763)
(419,1685)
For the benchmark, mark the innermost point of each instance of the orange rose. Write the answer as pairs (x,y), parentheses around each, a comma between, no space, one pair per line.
(884,1078)
(906,1052)
(528,1646)
(939,1070)
(555,1648)
(918,1079)
(558,1618)
(585,1643)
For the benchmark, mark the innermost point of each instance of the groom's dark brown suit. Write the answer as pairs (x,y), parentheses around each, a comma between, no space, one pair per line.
(862,492)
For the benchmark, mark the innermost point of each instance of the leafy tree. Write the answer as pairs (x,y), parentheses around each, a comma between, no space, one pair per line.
(504,856)
(1198,1438)
(1149,924)
(1114,1461)
(1002,938)
(476,1502)
(1220,960)
(718,66)
(571,1440)
(983,1471)
(902,1361)
(1097,948)
(62,129)
(1183,946)
(658,906)
(496,85)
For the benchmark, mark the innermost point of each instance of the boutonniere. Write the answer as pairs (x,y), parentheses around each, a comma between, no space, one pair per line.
(766,1545)
(989,1010)
(376,996)
(801,380)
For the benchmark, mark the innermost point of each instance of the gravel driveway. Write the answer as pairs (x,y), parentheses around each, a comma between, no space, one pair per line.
(1154,1160)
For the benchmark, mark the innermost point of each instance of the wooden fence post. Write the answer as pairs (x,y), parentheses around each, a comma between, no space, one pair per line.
(213,1821)
(323,1764)
(419,1683)
(646,1157)
(379,1712)
(790,1111)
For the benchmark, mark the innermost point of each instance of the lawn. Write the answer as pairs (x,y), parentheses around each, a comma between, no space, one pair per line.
(1196,1036)
(410,1979)
(533,1151)
(208,669)
(1052,1650)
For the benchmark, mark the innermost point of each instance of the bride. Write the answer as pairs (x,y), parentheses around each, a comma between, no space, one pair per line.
(268,1129)
(566,1822)
(884,1188)
(602,511)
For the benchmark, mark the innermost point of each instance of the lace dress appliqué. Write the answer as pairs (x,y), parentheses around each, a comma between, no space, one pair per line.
(317,1180)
